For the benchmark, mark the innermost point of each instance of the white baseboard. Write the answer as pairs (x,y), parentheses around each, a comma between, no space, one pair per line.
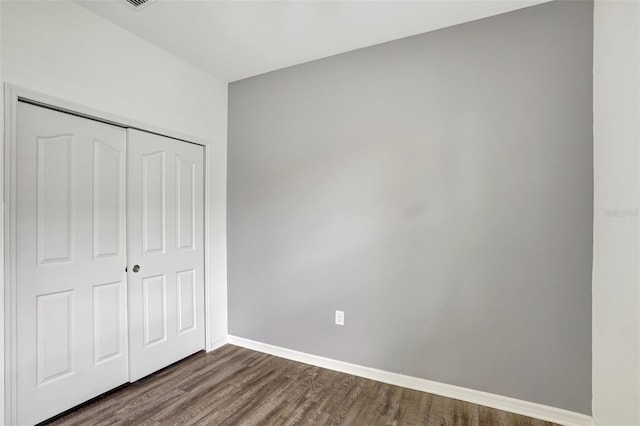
(217,344)
(525,408)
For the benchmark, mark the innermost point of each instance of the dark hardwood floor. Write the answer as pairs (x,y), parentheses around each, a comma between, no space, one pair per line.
(237,386)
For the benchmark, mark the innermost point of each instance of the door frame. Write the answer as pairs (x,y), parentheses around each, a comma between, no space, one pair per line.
(8,337)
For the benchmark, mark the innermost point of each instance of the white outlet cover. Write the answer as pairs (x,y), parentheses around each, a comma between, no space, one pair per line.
(339,317)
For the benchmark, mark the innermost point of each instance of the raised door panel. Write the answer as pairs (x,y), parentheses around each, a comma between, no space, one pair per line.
(108,200)
(107,325)
(155,309)
(55,329)
(153,203)
(55,199)
(186,303)
(185,204)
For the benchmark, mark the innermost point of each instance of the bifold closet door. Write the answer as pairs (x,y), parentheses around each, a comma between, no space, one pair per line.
(70,259)
(165,232)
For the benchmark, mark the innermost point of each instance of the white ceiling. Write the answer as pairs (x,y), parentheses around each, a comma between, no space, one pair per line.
(238,39)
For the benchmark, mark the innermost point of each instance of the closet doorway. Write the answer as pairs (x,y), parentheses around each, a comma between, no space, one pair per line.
(108,255)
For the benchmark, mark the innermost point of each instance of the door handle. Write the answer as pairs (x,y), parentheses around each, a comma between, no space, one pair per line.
(136,268)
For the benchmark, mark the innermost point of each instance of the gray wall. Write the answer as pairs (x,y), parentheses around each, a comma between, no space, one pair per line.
(439,190)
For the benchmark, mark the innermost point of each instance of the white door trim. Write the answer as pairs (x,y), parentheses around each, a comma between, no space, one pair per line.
(13,94)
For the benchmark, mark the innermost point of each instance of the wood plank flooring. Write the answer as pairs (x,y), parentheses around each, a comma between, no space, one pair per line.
(237,386)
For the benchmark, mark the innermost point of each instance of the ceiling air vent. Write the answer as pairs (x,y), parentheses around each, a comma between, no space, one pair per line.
(139,3)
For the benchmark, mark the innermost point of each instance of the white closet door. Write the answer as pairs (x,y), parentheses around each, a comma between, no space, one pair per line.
(71,295)
(165,220)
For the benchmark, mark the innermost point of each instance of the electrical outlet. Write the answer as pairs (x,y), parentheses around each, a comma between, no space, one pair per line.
(339,317)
